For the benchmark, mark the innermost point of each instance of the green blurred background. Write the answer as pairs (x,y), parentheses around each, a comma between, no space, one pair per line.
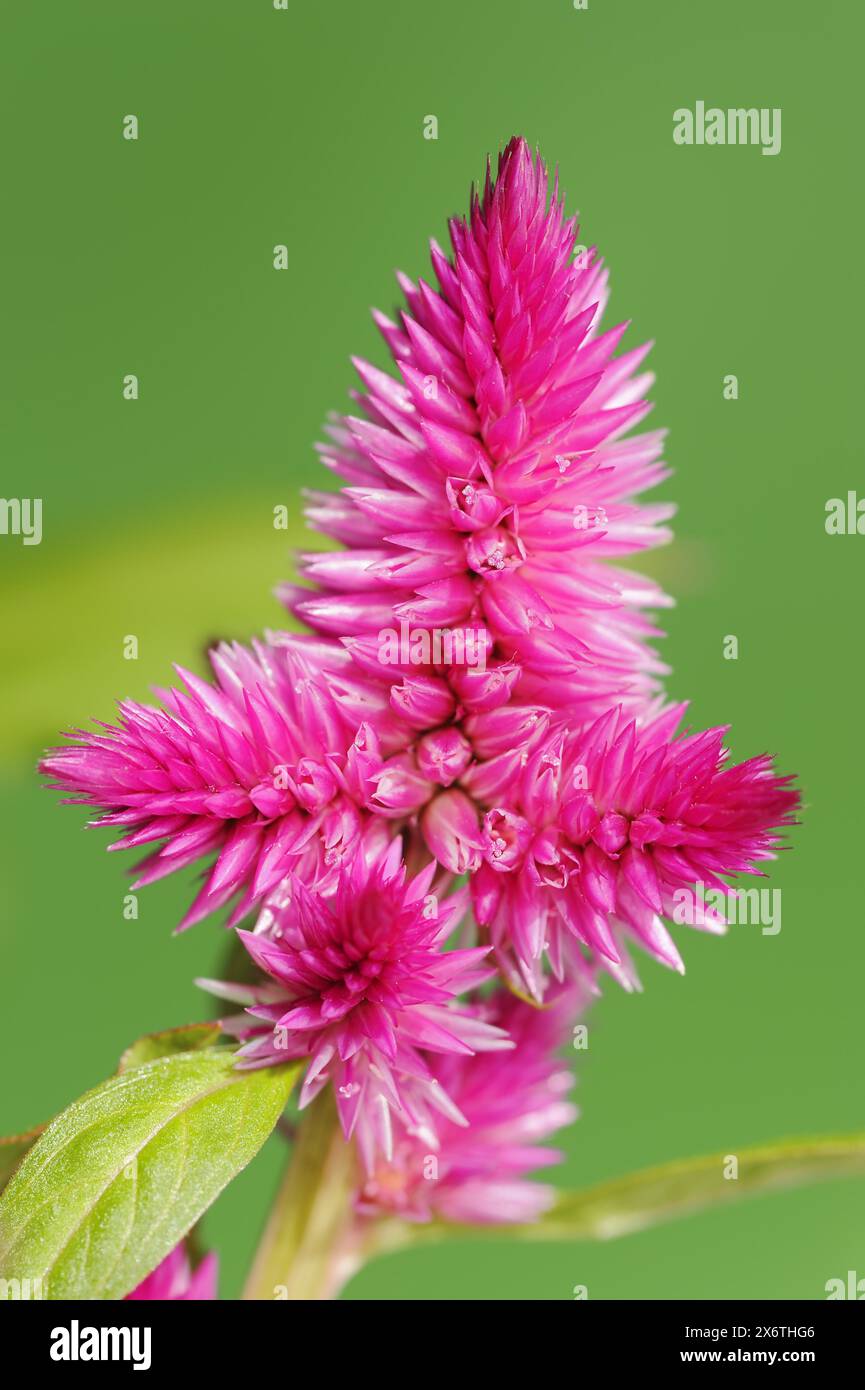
(154,257)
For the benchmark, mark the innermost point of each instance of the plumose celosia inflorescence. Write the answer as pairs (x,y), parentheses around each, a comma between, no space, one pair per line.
(602,828)
(359,983)
(226,768)
(476,695)
(474,1170)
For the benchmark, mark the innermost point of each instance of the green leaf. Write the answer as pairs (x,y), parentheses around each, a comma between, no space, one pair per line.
(656,1195)
(122,1175)
(13,1149)
(192,1037)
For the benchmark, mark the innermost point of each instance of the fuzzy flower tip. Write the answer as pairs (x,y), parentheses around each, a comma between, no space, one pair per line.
(490,485)
(175,1281)
(477,1173)
(261,769)
(359,984)
(609,830)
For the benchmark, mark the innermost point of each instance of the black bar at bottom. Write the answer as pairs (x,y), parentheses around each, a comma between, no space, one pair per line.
(201,1338)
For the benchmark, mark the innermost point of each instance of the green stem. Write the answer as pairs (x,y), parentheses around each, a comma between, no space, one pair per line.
(306,1250)
(653,1196)
(313,1242)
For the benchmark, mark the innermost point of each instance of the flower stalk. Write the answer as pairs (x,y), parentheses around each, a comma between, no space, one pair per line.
(651,1197)
(306,1250)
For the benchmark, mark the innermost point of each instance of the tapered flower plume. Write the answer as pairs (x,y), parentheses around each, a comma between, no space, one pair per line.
(362,987)
(511,1101)
(605,827)
(174,1280)
(262,769)
(489,484)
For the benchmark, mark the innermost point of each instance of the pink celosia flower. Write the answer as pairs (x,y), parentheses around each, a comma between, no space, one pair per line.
(263,768)
(362,987)
(510,1100)
(601,830)
(174,1280)
(478,689)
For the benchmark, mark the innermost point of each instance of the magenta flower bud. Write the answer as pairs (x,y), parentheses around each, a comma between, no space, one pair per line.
(611,833)
(399,789)
(443,755)
(579,817)
(450,829)
(492,550)
(483,690)
(473,507)
(233,803)
(314,784)
(339,834)
(598,881)
(506,839)
(454,451)
(270,798)
(362,761)
(443,603)
(423,701)
(514,726)
(638,869)
(467,649)
(547,860)
(645,829)
(490,781)
(508,433)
